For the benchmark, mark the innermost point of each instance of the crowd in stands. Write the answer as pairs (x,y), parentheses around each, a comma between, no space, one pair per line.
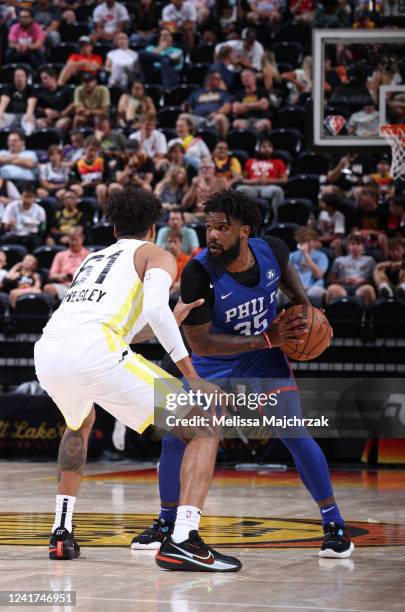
(185,98)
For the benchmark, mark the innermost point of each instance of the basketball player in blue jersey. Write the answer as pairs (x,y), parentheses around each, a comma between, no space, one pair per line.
(236,333)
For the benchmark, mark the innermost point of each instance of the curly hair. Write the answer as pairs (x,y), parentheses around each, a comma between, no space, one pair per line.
(237,205)
(133,211)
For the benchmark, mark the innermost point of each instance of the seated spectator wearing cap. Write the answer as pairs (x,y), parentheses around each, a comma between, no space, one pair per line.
(66,218)
(66,263)
(26,41)
(151,141)
(194,146)
(133,105)
(91,170)
(211,104)
(352,274)
(49,16)
(173,187)
(54,174)
(189,238)
(23,278)
(173,245)
(24,220)
(17,163)
(251,104)
(84,61)
(55,104)
(121,62)
(226,166)
(110,18)
(250,51)
(263,175)
(310,264)
(331,222)
(90,100)
(17,103)
(202,186)
(163,61)
(181,16)
(264,11)
(111,140)
(389,276)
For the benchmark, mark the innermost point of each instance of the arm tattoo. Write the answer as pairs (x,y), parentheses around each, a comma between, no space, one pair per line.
(72,452)
(292,286)
(204,342)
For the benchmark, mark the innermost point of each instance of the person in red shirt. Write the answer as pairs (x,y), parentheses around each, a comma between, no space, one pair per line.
(173,245)
(264,175)
(65,264)
(303,10)
(85,61)
(26,41)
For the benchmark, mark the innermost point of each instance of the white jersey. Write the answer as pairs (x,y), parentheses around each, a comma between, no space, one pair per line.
(105,296)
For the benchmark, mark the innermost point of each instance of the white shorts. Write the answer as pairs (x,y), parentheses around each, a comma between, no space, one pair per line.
(77,371)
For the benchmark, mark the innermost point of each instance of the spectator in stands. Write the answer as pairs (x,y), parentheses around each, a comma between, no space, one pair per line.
(176,157)
(24,278)
(55,104)
(389,276)
(371,220)
(330,14)
(302,10)
(3,266)
(151,140)
(249,51)
(17,103)
(263,11)
(226,13)
(65,264)
(352,274)
(189,238)
(84,61)
(110,18)
(211,104)
(173,245)
(136,169)
(396,217)
(173,187)
(251,104)
(203,9)
(121,62)
(311,264)
(49,16)
(18,164)
(75,149)
(331,222)
(299,81)
(26,41)
(226,166)
(111,140)
(163,61)
(264,176)
(132,106)
(54,174)
(202,186)
(91,170)
(383,179)
(66,218)
(145,23)
(181,16)
(194,146)
(90,100)
(226,66)
(364,123)
(24,220)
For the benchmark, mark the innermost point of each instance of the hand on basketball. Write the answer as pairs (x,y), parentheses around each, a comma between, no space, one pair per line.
(287,329)
(182,310)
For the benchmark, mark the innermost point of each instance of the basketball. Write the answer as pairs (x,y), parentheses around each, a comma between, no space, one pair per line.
(318,337)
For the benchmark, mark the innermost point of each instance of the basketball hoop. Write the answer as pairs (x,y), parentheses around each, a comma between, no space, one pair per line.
(395,136)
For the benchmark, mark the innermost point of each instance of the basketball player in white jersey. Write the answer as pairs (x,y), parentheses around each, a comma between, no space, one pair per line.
(118,295)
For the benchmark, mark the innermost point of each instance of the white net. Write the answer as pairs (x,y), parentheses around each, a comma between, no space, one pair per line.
(395,136)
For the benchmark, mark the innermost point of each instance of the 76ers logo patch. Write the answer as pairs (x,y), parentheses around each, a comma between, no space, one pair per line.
(334,123)
(270,274)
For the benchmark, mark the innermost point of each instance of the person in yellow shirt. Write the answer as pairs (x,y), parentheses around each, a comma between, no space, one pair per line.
(226,166)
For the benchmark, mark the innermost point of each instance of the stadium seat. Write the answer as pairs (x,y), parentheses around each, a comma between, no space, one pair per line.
(155,92)
(50,205)
(210,136)
(102,234)
(4,308)
(285,156)
(330,254)
(196,73)
(167,116)
(32,312)
(295,211)
(170,133)
(102,49)
(71,32)
(346,316)
(89,207)
(61,52)
(294,31)
(7,72)
(203,54)
(44,138)
(387,319)
(312,163)
(241,155)
(284,67)
(242,139)
(115,94)
(179,94)
(290,117)
(287,139)
(45,254)
(286,232)
(303,185)
(291,52)
(14,253)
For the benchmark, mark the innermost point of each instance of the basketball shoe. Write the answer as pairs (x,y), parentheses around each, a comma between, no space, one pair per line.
(62,545)
(194,555)
(153,536)
(337,543)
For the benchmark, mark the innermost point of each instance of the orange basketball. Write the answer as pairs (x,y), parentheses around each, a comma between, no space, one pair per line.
(318,337)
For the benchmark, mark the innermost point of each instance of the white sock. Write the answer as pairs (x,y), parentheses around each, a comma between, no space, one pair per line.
(188,519)
(64,512)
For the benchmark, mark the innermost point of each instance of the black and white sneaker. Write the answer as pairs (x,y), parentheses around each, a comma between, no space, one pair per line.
(337,543)
(63,546)
(193,555)
(153,536)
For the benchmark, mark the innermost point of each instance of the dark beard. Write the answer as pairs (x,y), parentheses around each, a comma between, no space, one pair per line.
(226,257)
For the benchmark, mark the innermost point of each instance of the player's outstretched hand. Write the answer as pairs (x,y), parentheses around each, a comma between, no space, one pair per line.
(286,328)
(182,310)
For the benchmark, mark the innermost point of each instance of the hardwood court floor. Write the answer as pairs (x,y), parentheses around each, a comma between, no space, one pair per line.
(267,519)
